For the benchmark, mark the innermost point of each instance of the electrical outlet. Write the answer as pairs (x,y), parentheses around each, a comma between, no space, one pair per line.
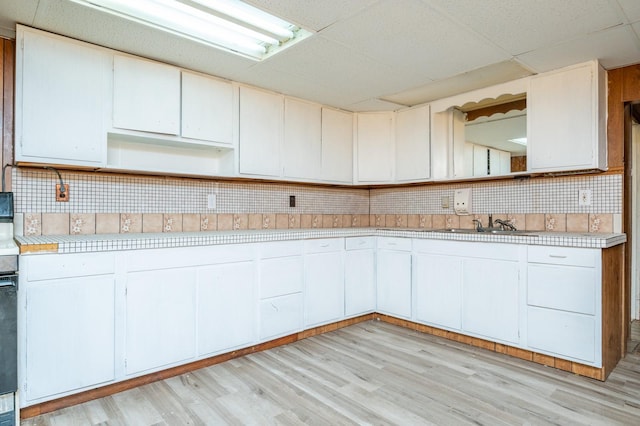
(292,200)
(584,197)
(211,201)
(60,195)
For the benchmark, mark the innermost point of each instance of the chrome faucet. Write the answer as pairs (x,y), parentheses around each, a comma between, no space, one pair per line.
(506,225)
(490,222)
(478,223)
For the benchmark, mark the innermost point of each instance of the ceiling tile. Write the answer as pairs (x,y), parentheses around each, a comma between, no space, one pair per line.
(520,26)
(414,39)
(374,105)
(614,48)
(312,14)
(334,66)
(476,79)
(21,11)
(631,9)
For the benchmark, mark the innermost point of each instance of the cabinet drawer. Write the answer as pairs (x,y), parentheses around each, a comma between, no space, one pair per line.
(393,243)
(280,276)
(280,315)
(564,256)
(323,245)
(53,266)
(280,249)
(562,333)
(568,288)
(358,243)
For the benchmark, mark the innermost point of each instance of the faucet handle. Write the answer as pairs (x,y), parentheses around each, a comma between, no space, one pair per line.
(478,223)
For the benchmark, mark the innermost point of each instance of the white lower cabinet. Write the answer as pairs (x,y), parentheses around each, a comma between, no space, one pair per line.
(394,276)
(490,306)
(564,303)
(281,282)
(70,335)
(160,318)
(359,276)
(324,281)
(438,283)
(226,307)
(96,318)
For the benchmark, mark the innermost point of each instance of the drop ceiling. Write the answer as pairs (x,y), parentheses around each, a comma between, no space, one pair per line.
(369,55)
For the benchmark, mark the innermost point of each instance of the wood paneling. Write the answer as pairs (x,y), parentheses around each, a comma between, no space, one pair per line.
(613,333)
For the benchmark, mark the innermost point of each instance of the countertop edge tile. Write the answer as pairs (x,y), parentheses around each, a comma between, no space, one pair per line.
(117,242)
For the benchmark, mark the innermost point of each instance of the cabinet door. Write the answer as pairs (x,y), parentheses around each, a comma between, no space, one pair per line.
(359,282)
(438,281)
(412,144)
(226,307)
(69,335)
(261,116)
(375,147)
(563,333)
(280,276)
(61,92)
(280,316)
(146,96)
(160,318)
(562,120)
(480,160)
(337,146)
(302,140)
(324,288)
(491,299)
(207,109)
(394,283)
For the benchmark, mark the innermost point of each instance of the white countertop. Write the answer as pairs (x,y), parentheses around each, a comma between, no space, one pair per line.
(112,242)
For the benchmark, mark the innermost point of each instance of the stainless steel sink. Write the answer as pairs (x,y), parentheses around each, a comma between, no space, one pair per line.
(485,231)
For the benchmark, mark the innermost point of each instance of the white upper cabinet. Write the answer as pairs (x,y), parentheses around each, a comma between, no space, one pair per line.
(412,144)
(207,109)
(261,126)
(375,147)
(146,96)
(567,119)
(302,145)
(61,92)
(337,146)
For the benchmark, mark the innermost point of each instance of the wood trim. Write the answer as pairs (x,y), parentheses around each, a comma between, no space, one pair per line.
(549,361)
(67,401)
(38,248)
(613,338)
(518,105)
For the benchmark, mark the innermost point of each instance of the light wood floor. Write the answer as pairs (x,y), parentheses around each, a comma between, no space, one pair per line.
(371,373)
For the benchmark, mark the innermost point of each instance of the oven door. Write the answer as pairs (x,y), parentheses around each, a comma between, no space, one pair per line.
(8,334)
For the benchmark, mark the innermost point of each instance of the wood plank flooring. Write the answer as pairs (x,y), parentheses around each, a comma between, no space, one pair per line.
(370,373)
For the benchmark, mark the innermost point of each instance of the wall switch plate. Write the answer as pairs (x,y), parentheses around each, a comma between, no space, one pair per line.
(584,197)
(444,202)
(211,201)
(60,195)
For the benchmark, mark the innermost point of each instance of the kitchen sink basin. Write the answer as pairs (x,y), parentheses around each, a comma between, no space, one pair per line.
(486,231)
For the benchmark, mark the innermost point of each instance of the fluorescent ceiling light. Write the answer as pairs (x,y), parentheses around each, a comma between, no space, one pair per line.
(230,25)
(519,141)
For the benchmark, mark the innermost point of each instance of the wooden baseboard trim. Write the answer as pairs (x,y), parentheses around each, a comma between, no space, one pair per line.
(549,361)
(102,391)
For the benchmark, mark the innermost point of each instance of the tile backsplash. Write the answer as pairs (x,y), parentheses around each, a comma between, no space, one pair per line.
(105,203)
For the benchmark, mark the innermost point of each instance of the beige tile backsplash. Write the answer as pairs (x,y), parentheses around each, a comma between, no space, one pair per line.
(131,205)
